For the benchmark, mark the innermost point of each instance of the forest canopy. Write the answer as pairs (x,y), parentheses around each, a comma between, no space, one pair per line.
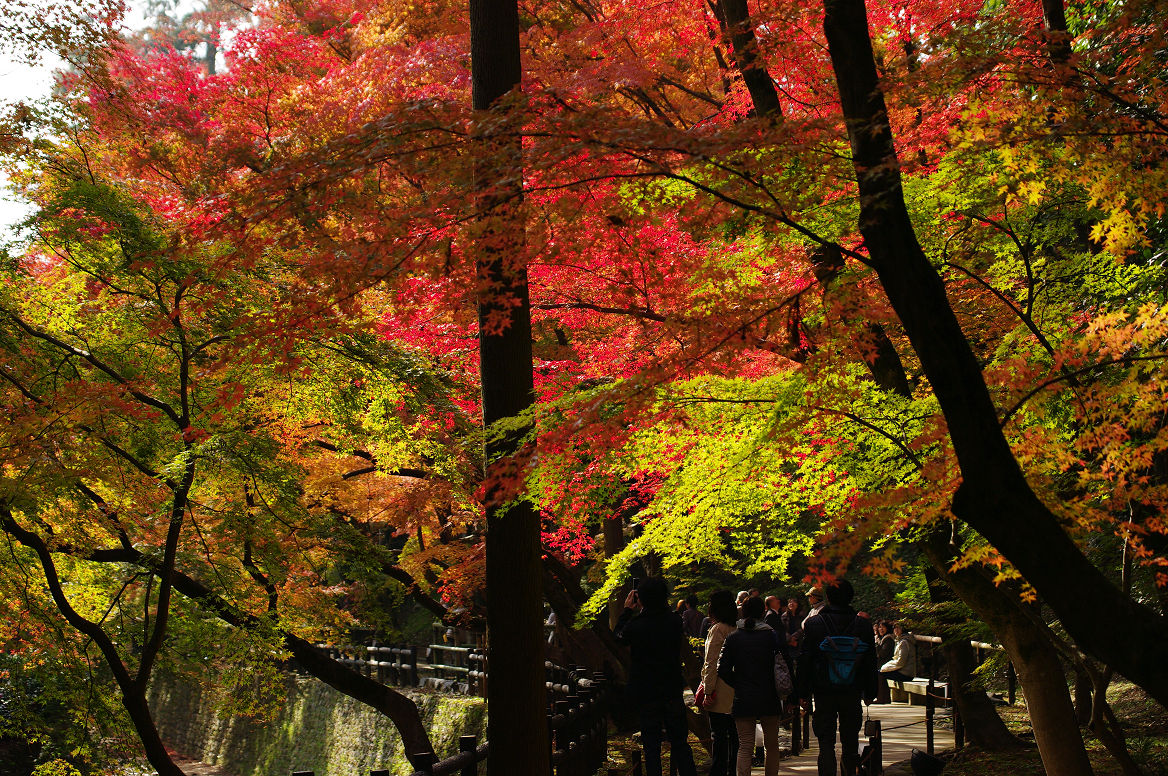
(814,289)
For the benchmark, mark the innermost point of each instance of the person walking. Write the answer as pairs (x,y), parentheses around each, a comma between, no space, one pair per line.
(718,695)
(748,665)
(655,638)
(837,669)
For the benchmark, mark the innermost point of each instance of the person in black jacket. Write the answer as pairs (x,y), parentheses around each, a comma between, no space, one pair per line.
(655,638)
(836,702)
(748,665)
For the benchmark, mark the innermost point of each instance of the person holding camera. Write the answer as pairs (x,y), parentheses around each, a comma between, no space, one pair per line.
(655,636)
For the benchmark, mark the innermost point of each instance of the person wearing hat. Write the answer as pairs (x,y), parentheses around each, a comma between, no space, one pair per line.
(816,601)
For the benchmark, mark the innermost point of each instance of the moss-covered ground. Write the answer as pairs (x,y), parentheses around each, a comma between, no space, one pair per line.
(1144,721)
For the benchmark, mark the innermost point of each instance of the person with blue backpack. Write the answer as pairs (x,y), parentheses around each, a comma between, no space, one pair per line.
(836,668)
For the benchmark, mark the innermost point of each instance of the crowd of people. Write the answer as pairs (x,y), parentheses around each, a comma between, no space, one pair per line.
(762,658)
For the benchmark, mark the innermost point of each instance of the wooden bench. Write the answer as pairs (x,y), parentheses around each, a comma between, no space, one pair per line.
(914,692)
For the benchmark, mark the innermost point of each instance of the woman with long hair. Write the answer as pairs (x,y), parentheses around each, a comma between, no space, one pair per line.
(748,665)
(719,696)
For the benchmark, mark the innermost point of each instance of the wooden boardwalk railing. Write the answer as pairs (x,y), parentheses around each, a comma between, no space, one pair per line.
(577,715)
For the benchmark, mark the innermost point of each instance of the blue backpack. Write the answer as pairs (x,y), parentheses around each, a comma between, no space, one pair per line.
(840,657)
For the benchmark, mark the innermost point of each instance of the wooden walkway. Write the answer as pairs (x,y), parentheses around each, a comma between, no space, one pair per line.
(904,730)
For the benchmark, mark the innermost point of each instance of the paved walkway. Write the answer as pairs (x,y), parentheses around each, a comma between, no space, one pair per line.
(904,730)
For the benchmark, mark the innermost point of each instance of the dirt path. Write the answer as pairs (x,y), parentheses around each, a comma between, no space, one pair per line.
(195,768)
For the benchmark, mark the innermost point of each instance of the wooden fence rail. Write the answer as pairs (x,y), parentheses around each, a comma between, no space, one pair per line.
(577,729)
(577,715)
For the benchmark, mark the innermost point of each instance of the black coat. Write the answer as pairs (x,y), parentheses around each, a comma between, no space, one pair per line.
(748,665)
(836,621)
(655,638)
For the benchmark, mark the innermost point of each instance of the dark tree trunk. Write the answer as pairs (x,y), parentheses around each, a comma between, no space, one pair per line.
(399,708)
(1035,660)
(133,689)
(1083,689)
(1058,43)
(748,60)
(516,698)
(614,542)
(983,726)
(994,496)
(593,646)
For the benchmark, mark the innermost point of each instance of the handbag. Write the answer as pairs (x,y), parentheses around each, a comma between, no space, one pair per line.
(782,676)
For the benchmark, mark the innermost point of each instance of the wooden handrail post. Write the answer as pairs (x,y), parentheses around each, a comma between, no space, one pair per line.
(929,706)
(872,730)
(412,662)
(468,744)
(425,762)
(1011,682)
(564,738)
(958,728)
(551,739)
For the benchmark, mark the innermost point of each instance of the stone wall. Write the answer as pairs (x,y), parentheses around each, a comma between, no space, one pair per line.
(318,729)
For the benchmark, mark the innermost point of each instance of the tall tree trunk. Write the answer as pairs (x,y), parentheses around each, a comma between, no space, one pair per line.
(994,496)
(614,542)
(516,697)
(1035,659)
(983,726)
(1058,38)
(1083,691)
(748,60)
(132,688)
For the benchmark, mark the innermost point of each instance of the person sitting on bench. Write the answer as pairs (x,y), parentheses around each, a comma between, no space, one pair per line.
(903,663)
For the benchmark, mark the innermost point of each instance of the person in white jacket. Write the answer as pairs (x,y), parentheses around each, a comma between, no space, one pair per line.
(902,666)
(718,696)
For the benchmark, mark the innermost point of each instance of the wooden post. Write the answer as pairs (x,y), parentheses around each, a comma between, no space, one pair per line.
(412,667)
(876,746)
(637,769)
(929,706)
(563,741)
(806,731)
(1011,682)
(958,728)
(468,744)
(552,739)
(425,762)
(796,712)
(575,729)
(600,682)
